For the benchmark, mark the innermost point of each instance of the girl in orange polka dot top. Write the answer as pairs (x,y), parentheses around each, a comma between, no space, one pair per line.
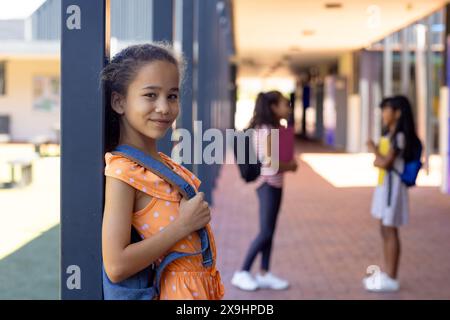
(142,88)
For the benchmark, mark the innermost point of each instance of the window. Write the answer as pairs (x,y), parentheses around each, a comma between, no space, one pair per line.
(2,78)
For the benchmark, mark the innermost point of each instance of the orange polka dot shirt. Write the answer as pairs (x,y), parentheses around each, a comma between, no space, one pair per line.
(185,278)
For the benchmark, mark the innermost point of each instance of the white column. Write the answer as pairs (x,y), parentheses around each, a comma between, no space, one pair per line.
(444,137)
(387,66)
(421,85)
(405,62)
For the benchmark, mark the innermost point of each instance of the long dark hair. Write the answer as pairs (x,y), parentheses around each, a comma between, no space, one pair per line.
(117,75)
(263,113)
(405,124)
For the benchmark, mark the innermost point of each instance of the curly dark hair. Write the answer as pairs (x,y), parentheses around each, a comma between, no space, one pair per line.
(405,125)
(119,73)
(263,113)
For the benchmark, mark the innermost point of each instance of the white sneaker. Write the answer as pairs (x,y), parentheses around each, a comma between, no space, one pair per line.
(244,281)
(270,281)
(381,282)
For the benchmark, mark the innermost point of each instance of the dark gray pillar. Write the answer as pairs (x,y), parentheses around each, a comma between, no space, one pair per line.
(341,112)
(84,47)
(162,20)
(319,92)
(213,45)
(233,93)
(203,25)
(162,27)
(430,131)
(185,119)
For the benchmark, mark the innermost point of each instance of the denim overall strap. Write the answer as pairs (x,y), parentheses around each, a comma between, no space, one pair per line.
(175,180)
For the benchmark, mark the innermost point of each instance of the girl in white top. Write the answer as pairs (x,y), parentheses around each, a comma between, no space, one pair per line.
(390,200)
(270,108)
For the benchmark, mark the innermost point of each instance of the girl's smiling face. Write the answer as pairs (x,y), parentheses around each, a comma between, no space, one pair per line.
(151,103)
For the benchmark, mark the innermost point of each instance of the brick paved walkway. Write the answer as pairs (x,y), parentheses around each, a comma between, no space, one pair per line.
(326,238)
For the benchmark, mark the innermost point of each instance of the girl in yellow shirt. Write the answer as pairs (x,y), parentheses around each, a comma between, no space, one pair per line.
(390,204)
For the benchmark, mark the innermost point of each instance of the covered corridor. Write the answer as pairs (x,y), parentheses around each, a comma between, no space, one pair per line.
(326,238)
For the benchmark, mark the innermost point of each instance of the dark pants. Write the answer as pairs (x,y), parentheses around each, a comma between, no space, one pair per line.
(269,205)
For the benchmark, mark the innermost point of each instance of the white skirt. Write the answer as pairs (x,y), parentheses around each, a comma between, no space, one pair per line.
(391,206)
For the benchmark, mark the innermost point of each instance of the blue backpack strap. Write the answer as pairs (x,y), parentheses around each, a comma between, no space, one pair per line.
(172,256)
(157,168)
(174,179)
(133,288)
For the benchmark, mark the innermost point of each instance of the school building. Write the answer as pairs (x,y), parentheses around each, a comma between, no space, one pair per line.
(346,70)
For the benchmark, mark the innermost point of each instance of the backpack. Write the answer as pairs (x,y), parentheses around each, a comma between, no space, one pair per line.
(249,171)
(146,284)
(411,168)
